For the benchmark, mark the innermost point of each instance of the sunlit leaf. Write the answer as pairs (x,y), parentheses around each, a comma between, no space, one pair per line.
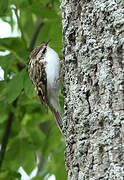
(15,86)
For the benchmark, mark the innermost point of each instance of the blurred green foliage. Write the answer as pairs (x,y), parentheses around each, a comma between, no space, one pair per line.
(32,129)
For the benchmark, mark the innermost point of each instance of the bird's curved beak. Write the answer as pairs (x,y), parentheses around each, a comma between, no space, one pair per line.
(47,42)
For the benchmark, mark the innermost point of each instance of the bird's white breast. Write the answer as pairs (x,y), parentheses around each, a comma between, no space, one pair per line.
(52,68)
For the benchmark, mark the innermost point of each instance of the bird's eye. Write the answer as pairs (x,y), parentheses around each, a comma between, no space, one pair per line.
(44,50)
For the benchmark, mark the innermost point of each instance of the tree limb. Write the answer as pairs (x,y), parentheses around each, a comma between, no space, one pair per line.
(38,26)
(6,134)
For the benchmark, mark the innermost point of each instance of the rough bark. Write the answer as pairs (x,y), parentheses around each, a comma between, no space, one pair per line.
(93,38)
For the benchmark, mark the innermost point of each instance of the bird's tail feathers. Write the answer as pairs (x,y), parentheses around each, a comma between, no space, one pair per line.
(57,115)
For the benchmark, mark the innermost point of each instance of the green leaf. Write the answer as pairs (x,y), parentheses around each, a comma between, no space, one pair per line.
(25,18)
(3,7)
(37,138)
(28,86)
(29,163)
(37,178)
(42,10)
(8,64)
(20,3)
(16,46)
(9,175)
(10,43)
(15,86)
(3,114)
(20,153)
(52,30)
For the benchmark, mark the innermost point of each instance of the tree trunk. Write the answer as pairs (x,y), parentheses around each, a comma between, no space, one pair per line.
(93,88)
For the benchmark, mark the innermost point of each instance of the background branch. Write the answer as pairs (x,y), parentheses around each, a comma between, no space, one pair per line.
(38,26)
(6,134)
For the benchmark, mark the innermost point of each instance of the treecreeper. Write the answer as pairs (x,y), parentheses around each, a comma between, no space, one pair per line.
(44,71)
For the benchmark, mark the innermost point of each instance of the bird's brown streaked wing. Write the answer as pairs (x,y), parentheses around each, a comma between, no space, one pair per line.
(38,76)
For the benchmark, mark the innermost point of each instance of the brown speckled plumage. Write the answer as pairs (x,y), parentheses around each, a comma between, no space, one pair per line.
(38,76)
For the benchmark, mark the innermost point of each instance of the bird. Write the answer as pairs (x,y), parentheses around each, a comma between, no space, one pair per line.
(44,71)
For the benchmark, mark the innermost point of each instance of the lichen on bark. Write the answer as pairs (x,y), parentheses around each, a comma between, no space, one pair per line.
(93,39)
